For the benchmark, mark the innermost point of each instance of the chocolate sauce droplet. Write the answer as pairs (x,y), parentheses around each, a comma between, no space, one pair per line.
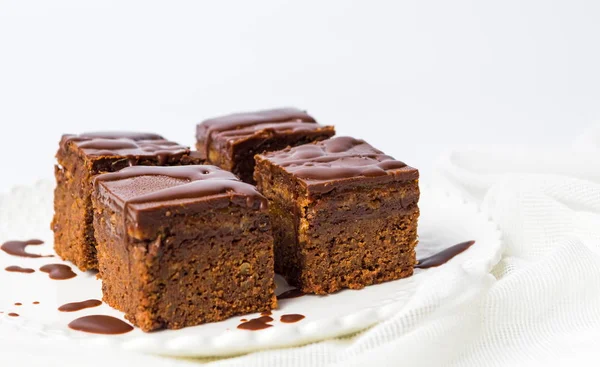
(36,303)
(17,248)
(18,269)
(77,306)
(292,293)
(266,313)
(444,256)
(58,271)
(18,304)
(264,319)
(243,320)
(258,323)
(291,318)
(12,314)
(100,324)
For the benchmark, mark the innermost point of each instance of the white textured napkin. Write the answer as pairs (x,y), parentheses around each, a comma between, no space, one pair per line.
(540,305)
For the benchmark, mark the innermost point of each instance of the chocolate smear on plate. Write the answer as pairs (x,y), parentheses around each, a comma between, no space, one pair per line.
(258,323)
(58,271)
(19,248)
(443,256)
(18,269)
(291,318)
(77,306)
(100,324)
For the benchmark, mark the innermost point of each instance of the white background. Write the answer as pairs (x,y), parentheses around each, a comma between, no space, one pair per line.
(415,78)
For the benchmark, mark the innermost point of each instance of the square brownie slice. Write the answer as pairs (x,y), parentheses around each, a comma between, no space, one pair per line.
(344,214)
(80,158)
(231,141)
(181,246)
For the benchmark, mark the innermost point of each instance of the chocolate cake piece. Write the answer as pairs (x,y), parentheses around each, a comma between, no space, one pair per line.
(344,214)
(80,158)
(181,246)
(231,141)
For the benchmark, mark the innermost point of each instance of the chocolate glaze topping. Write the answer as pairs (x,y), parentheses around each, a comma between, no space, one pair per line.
(126,144)
(18,269)
(337,159)
(291,318)
(58,271)
(248,123)
(196,182)
(444,256)
(100,324)
(292,293)
(18,248)
(77,306)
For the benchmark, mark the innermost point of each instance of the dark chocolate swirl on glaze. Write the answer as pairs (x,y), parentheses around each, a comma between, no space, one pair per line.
(339,158)
(127,144)
(198,181)
(245,123)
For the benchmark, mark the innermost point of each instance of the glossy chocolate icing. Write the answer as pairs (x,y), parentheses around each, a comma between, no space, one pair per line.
(125,144)
(245,124)
(169,186)
(341,159)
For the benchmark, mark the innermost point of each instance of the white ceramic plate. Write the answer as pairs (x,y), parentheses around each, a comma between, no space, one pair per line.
(26,212)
